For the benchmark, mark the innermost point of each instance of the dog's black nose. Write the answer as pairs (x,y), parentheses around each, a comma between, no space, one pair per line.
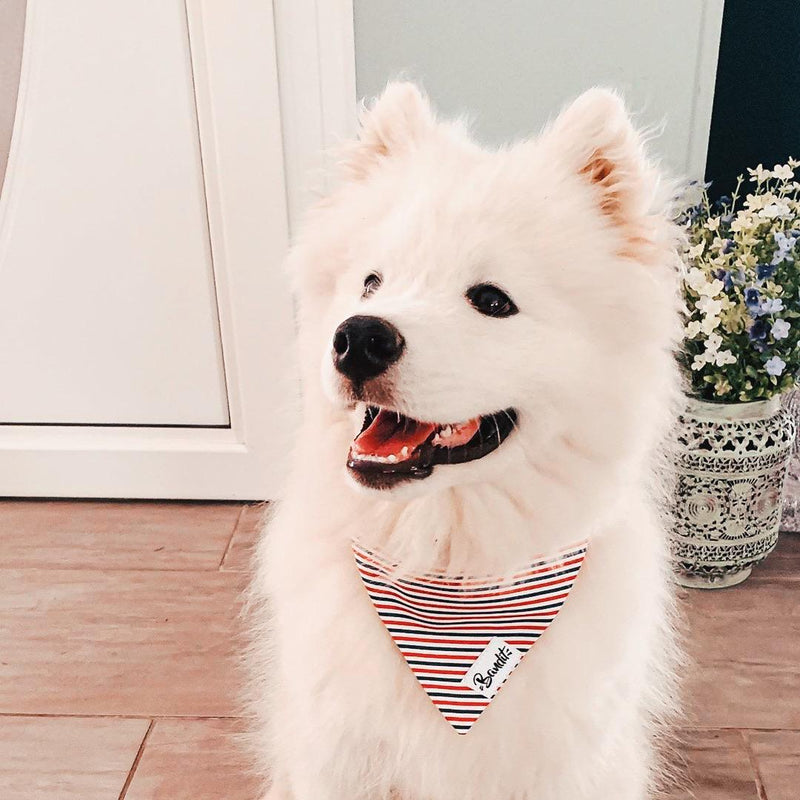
(364,347)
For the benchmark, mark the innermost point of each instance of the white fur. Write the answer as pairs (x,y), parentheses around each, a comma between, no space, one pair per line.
(570,226)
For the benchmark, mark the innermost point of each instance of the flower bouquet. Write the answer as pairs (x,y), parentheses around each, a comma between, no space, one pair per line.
(740,353)
(742,290)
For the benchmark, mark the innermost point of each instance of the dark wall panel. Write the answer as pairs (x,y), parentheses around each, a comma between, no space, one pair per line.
(756,116)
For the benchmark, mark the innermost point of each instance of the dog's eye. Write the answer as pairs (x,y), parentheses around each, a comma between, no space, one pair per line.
(491,301)
(371,283)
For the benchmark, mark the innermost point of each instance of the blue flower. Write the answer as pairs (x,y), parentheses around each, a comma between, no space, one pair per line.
(775,366)
(759,330)
(784,244)
(727,246)
(765,271)
(725,276)
(752,299)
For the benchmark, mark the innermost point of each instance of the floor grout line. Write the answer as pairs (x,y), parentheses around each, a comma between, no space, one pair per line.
(756,729)
(101,569)
(188,717)
(759,781)
(136,760)
(230,538)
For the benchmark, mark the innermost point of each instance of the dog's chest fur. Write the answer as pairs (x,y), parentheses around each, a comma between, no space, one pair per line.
(347,707)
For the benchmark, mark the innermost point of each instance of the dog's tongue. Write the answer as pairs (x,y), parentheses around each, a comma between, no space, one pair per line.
(389,433)
(396,437)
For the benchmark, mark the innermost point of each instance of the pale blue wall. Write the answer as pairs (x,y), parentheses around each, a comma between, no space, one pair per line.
(513,63)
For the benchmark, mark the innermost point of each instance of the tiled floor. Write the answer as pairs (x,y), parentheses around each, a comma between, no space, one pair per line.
(118,675)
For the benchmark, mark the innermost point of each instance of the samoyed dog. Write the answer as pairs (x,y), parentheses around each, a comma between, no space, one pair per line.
(486,344)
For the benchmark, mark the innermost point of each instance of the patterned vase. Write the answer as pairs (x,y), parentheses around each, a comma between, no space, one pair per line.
(731,461)
(790,516)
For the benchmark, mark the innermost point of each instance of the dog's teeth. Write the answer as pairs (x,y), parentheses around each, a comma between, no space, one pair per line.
(404,451)
(391,458)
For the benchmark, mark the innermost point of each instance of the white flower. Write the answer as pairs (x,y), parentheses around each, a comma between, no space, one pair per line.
(783,171)
(696,279)
(709,324)
(699,362)
(779,208)
(723,357)
(743,221)
(775,366)
(713,288)
(693,329)
(759,173)
(712,343)
(712,223)
(756,201)
(709,306)
(697,250)
(780,329)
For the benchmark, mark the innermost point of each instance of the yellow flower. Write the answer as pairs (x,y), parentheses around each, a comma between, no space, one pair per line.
(743,221)
(734,319)
(722,386)
(696,250)
(747,260)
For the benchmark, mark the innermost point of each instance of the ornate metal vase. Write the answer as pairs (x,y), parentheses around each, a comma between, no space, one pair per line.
(731,461)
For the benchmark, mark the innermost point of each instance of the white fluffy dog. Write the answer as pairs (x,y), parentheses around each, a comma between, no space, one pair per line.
(486,342)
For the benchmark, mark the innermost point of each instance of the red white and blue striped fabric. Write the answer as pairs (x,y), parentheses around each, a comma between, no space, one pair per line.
(442,624)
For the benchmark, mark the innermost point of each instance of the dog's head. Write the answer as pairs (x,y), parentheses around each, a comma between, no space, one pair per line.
(472,312)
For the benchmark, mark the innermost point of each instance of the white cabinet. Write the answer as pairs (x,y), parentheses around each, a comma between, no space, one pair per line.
(145,325)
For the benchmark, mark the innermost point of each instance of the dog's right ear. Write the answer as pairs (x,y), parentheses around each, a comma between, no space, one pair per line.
(396,123)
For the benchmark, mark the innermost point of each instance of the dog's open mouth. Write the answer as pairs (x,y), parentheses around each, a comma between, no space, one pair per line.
(392,447)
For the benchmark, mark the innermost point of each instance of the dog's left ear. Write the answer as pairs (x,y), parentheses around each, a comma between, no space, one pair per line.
(599,143)
(396,123)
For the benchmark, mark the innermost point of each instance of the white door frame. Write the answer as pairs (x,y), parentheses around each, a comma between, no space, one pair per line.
(317,77)
(236,70)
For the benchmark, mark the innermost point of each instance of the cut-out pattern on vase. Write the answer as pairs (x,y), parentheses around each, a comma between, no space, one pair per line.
(731,462)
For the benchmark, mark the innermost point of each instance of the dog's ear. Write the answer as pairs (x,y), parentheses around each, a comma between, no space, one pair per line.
(397,122)
(596,137)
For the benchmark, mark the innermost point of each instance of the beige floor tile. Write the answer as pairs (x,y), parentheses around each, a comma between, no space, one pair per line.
(67,758)
(74,533)
(193,760)
(783,562)
(777,754)
(737,694)
(243,542)
(745,643)
(126,642)
(715,766)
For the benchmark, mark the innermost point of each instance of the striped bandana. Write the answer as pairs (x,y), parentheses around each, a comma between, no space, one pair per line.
(463,637)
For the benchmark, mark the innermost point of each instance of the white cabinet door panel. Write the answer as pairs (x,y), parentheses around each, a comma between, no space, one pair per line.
(108,310)
(146,326)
